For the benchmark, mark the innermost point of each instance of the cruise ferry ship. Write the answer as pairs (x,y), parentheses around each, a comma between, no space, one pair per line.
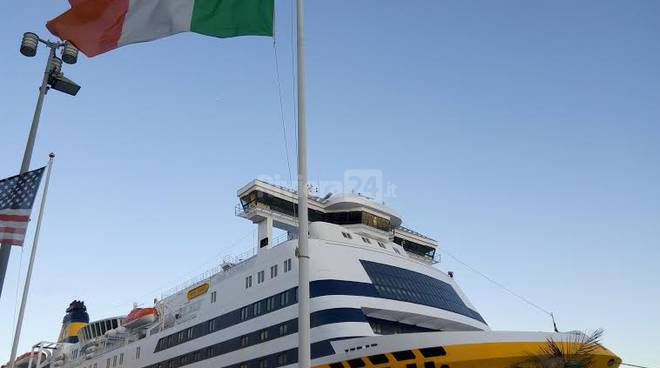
(376,301)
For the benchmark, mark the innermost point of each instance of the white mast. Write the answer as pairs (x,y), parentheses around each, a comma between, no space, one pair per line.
(304,356)
(33,254)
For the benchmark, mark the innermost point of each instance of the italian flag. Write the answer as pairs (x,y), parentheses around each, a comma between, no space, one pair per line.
(97,26)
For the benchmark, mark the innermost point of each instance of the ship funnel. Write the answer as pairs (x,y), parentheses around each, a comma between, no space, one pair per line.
(76,317)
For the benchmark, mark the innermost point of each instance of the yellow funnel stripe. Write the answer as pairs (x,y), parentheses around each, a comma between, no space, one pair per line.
(73,327)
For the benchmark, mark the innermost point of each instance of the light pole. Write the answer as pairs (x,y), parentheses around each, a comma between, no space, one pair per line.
(55,79)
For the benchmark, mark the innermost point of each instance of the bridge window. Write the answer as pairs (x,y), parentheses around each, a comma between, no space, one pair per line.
(412,247)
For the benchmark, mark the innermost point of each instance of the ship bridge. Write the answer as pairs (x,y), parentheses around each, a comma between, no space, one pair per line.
(269,205)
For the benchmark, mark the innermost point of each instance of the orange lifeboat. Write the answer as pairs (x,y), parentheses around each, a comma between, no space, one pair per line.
(140,317)
(23,360)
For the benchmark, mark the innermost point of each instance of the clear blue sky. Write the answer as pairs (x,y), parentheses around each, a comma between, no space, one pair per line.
(523,135)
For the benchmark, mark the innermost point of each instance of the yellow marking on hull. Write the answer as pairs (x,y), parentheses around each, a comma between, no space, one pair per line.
(481,355)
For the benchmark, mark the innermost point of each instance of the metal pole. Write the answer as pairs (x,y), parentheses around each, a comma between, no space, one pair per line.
(304,356)
(33,253)
(5,250)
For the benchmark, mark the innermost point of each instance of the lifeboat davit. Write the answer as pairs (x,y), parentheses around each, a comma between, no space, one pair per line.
(140,317)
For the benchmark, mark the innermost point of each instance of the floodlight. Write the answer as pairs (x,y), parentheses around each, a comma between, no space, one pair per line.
(55,65)
(29,44)
(59,82)
(69,53)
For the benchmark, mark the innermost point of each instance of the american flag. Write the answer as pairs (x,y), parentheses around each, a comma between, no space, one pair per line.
(17,196)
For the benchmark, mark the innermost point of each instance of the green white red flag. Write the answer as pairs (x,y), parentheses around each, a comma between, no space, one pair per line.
(97,26)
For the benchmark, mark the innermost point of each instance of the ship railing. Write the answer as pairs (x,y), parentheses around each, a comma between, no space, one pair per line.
(404,229)
(229,264)
(435,259)
(249,210)
(44,352)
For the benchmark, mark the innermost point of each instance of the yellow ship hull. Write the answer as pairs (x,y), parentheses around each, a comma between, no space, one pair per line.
(465,354)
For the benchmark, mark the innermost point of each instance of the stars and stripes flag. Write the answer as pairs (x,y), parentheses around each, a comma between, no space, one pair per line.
(17,195)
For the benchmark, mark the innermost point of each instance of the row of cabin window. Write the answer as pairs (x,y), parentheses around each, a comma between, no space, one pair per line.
(281,359)
(368,241)
(255,309)
(269,304)
(114,361)
(261,275)
(271,361)
(359,363)
(233,344)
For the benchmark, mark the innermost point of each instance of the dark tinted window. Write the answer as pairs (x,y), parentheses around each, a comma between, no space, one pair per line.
(385,327)
(429,365)
(356,363)
(378,359)
(409,286)
(404,355)
(433,352)
(336,365)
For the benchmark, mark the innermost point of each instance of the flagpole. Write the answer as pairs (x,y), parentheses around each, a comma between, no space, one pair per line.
(33,253)
(304,357)
(5,249)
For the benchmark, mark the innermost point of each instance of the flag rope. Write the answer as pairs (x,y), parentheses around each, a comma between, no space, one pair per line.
(18,289)
(283,120)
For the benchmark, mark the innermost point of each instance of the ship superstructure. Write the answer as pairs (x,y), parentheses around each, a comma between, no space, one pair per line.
(376,300)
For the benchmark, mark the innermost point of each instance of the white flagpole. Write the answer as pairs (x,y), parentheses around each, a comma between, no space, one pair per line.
(33,253)
(304,356)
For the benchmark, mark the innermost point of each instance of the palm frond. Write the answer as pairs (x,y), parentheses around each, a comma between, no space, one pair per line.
(575,352)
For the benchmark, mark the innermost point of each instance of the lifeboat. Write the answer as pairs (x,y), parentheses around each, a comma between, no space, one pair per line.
(23,360)
(140,317)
